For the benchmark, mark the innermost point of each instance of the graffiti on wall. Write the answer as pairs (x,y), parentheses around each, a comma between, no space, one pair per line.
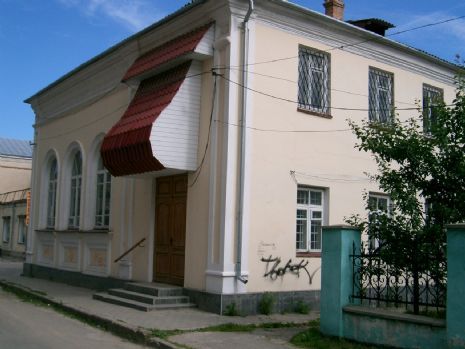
(275,270)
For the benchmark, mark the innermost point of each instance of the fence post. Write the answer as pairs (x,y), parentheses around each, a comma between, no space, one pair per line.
(336,275)
(455,313)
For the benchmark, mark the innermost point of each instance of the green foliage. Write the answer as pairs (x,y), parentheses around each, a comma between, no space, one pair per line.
(231,310)
(312,338)
(266,304)
(300,307)
(415,167)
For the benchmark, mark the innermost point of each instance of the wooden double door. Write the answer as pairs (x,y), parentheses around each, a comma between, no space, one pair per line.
(170,229)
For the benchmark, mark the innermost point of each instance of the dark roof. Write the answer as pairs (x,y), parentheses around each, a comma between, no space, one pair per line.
(376,25)
(15,147)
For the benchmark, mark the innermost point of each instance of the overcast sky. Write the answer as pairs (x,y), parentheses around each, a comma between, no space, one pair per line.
(41,40)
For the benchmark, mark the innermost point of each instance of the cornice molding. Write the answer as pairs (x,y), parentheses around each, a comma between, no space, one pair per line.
(334,33)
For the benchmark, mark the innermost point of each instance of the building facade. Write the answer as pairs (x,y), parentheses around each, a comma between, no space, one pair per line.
(214,145)
(15,181)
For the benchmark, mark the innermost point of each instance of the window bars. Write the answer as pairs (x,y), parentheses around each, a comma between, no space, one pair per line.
(432,96)
(314,81)
(381,96)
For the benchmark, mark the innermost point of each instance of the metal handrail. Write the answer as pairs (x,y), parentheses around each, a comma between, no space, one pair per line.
(137,244)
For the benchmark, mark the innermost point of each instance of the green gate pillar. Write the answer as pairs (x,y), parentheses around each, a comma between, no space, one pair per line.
(336,275)
(455,310)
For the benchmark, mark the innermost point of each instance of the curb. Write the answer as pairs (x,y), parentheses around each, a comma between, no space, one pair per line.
(127,332)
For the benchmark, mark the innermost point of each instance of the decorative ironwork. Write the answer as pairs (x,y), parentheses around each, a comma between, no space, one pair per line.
(314,80)
(381,96)
(378,284)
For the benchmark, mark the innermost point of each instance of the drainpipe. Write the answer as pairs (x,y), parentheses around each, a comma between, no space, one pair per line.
(240,194)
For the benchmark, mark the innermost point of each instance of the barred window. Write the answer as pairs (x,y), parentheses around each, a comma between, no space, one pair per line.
(313,80)
(432,97)
(309,219)
(75,198)
(381,95)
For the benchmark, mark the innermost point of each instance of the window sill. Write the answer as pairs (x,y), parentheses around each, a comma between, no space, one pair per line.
(308,254)
(74,231)
(315,113)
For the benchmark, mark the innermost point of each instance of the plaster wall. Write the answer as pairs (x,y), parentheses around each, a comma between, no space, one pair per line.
(324,157)
(15,174)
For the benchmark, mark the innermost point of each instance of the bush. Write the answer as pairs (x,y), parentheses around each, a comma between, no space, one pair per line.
(266,304)
(231,310)
(301,307)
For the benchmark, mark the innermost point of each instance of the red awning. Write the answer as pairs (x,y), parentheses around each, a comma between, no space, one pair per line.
(127,149)
(177,47)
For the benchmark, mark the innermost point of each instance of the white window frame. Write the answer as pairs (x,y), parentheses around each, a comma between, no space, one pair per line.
(22,230)
(310,219)
(375,89)
(103,201)
(308,57)
(52,194)
(75,191)
(6,234)
(374,243)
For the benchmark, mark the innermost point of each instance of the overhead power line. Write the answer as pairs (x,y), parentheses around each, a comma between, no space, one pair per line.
(334,108)
(341,47)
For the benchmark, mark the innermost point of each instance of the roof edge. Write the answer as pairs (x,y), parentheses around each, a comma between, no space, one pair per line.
(376,38)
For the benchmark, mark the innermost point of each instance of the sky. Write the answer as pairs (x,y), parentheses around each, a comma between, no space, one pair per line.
(41,40)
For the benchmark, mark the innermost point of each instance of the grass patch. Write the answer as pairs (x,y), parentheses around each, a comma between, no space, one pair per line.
(228,327)
(313,339)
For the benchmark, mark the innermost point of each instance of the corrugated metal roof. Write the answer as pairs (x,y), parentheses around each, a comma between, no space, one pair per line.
(15,147)
(126,149)
(179,46)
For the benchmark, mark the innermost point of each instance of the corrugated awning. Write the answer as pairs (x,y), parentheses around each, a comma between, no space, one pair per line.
(179,46)
(127,149)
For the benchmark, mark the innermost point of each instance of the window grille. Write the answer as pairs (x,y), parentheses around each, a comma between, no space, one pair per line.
(432,96)
(381,96)
(313,80)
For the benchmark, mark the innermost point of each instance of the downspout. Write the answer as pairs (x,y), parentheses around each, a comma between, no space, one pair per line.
(243,123)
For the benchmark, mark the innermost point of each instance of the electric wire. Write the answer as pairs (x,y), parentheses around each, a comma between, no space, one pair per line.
(341,47)
(418,108)
(199,168)
(107,114)
(296,83)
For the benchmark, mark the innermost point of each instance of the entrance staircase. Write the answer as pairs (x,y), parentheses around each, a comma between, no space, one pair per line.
(146,296)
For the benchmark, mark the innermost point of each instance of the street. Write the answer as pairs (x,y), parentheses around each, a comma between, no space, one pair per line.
(25,325)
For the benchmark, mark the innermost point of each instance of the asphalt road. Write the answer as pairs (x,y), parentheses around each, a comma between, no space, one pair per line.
(27,326)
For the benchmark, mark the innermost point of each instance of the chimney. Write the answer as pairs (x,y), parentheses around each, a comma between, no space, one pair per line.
(334,8)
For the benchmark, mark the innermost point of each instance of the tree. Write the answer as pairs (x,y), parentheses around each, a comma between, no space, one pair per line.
(423,171)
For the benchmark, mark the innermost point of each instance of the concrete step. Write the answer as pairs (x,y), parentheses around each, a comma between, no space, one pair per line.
(148,299)
(105,297)
(154,289)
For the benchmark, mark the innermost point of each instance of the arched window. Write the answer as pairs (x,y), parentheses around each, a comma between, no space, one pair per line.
(102,205)
(52,194)
(75,197)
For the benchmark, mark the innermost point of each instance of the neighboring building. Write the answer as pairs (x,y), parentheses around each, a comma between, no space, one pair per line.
(145,142)
(15,175)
